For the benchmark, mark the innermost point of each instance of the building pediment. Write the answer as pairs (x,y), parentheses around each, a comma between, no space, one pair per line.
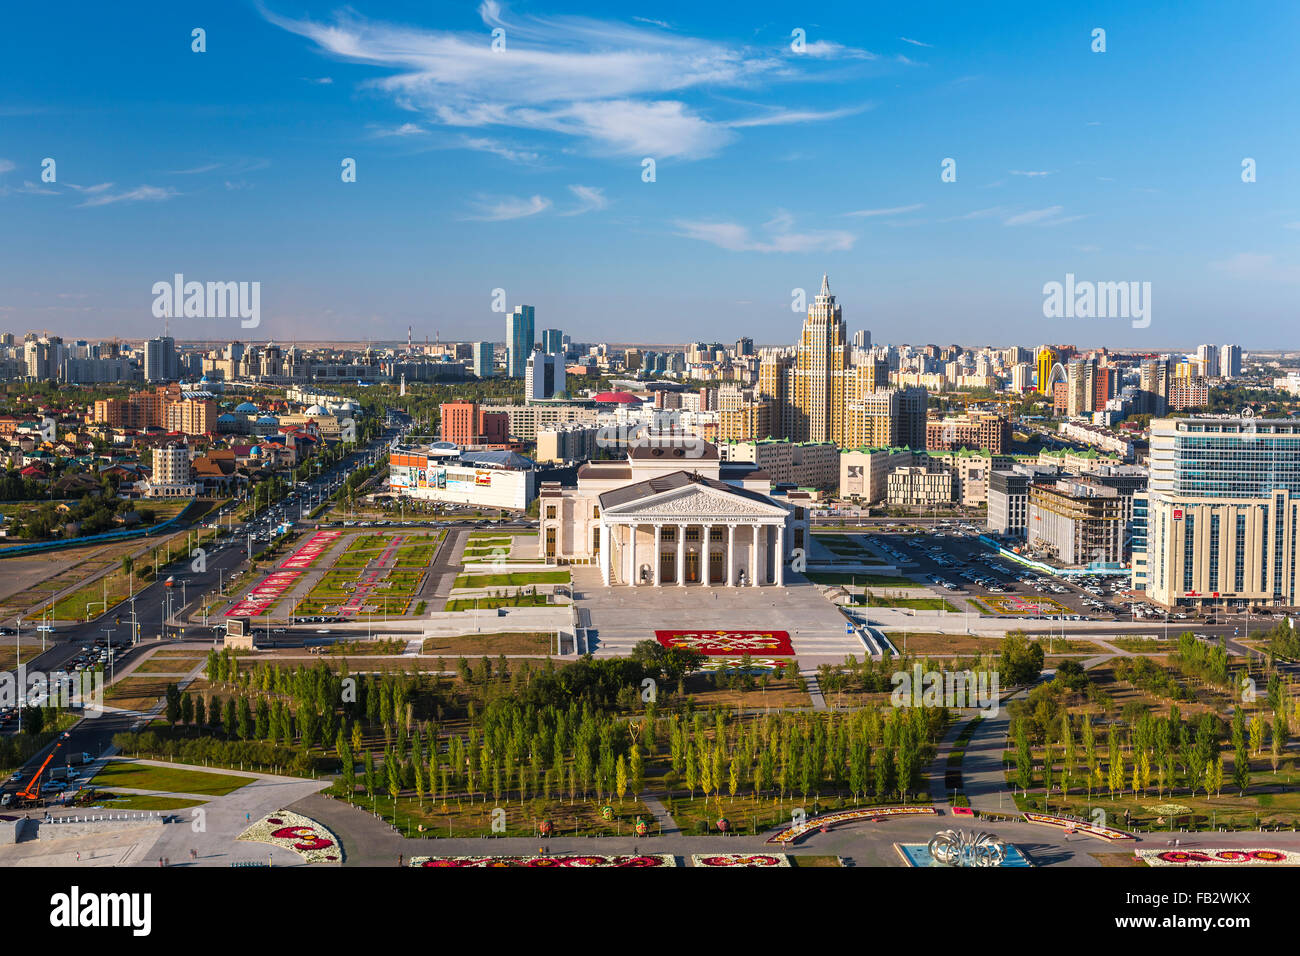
(696,502)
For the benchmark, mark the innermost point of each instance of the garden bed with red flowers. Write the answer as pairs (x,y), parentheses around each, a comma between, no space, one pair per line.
(793,833)
(579,860)
(292,831)
(767,643)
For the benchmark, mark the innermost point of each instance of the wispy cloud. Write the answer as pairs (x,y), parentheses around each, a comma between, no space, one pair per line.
(976,214)
(893,211)
(779,236)
(1030,172)
(486,145)
(787,117)
(508,207)
(101,197)
(590,199)
(916,42)
(319,80)
(1051,216)
(7,165)
(617,88)
(405,129)
(830,50)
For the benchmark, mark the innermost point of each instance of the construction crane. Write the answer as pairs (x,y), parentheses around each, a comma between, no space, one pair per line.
(33,791)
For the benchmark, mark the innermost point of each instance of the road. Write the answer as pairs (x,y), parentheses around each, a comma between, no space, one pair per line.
(149,606)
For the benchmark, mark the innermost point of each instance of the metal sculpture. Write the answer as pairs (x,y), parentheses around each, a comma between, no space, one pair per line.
(959,848)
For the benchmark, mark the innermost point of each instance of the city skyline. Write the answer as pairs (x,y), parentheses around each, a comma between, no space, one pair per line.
(772,167)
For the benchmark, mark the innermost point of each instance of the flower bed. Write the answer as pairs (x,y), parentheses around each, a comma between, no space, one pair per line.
(264,594)
(740,859)
(792,833)
(729,642)
(292,831)
(575,860)
(1080,826)
(310,550)
(1212,857)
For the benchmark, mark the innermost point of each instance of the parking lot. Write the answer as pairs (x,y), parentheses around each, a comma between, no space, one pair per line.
(952,559)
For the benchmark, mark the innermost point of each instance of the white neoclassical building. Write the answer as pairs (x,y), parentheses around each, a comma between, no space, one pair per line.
(669,515)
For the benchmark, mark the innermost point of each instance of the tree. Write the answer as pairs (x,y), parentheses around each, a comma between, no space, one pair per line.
(1021,660)
(1024,757)
(1241,768)
(173,703)
(620,778)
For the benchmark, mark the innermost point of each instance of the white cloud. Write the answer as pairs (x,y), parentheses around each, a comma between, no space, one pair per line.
(1030,172)
(1040,217)
(7,165)
(976,214)
(590,199)
(406,129)
(886,212)
(509,207)
(138,194)
(779,236)
(615,86)
(828,49)
(786,117)
(916,42)
(486,145)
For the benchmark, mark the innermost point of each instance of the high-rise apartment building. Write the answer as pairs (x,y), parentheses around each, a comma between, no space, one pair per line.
(160,363)
(1046,361)
(482,359)
(1229,361)
(553,341)
(822,353)
(520,339)
(543,376)
(1223,512)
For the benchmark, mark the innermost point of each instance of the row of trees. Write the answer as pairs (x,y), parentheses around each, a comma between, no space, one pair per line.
(1168,751)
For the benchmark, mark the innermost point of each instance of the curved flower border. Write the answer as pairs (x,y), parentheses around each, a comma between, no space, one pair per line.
(1080,826)
(292,831)
(791,834)
(1220,857)
(740,859)
(576,860)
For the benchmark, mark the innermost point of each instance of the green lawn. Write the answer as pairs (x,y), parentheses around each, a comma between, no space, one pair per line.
(866,580)
(916,604)
(486,604)
(139,801)
(126,773)
(515,578)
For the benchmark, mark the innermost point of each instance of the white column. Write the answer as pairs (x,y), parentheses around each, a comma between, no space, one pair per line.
(731,555)
(681,555)
(780,555)
(705,532)
(635,576)
(753,554)
(658,555)
(604,553)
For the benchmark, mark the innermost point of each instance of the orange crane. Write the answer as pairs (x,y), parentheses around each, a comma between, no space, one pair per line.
(33,790)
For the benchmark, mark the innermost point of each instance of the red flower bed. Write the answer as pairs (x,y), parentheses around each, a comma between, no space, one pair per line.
(544,861)
(729,642)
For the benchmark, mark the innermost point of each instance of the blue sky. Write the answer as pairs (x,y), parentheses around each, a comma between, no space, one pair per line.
(522,169)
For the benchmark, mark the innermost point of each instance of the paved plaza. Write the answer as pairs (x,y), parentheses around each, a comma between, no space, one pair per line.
(618,618)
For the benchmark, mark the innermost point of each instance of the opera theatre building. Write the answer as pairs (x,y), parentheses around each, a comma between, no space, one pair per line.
(674,514)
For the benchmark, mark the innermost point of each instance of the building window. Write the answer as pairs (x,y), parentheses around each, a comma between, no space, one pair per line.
(595,540)
(693,534)
(550,511)
(550,542)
